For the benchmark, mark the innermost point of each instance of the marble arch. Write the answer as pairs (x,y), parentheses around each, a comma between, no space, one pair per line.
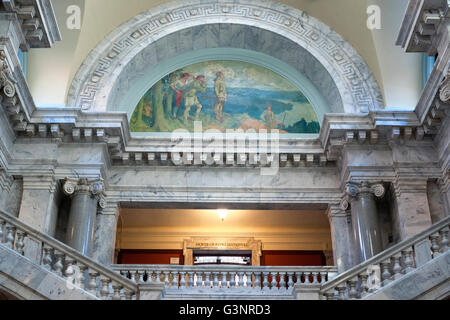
(340,73)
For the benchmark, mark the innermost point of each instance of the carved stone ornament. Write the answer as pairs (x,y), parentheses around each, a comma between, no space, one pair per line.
(95,188)
(353,189)
(444,93)
(7,82)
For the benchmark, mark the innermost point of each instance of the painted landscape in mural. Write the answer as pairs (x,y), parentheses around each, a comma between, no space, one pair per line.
(224,95)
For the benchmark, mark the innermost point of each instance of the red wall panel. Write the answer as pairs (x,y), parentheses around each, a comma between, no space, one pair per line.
(149,256)
(293,258)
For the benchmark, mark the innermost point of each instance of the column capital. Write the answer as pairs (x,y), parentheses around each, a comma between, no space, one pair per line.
(353,189)
(93,187)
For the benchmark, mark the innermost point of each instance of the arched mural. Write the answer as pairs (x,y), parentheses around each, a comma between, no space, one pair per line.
(223,95)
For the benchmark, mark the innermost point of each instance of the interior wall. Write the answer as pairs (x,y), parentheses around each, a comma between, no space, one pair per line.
(52,70)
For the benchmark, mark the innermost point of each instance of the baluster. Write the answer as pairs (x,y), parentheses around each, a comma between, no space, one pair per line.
(266,280)
(397,268)
(435,244)
(341,291)
(20,241)
(444,239)
(69,271)
(104,292)
(82,279)
(117,287)
(232,280)
(2,224)
(9,240)
(407,260)
(352,293)
(273,284)
(169,280)
(47,257)
(248,280)
(182,280)
(306,277)
(208,280)
(128,294)
(190,279)
(223,282)
(59,264)
(162,277)
(282,281)
(216,279)
(364,287)
(323,277)
(290,279)
(92,285)
(315,280)
(158,276)
(241,279)
(257,284)
(385,273)
(298,277)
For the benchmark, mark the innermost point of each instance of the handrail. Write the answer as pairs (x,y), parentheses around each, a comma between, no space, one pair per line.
(395,262)
(63,260)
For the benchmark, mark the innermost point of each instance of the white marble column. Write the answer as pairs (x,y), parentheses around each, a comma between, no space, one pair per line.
(105,233)
(411,210)
(86,196)
(341,237)
(39,205)
(366,231)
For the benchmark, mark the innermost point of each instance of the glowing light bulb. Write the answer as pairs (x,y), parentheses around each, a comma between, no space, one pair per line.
(222,213)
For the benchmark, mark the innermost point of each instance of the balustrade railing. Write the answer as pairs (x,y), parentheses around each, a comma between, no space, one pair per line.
(392,264)
(62,260)
(250,278)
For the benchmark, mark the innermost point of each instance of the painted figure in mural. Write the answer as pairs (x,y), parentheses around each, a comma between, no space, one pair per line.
(221,95)
(191,99)
(179,86)
(269,119)
(147,115)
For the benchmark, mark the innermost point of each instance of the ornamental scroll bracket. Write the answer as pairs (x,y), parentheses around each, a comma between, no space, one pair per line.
(7,82)
(93,187)
(444,92)
(353,189)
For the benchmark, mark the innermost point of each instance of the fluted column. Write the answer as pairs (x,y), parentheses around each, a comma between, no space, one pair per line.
(341,237)
(86,195)
(366,232)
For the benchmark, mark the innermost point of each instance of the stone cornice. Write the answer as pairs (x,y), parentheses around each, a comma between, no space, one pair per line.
(422,27)
(40,183)
(37,19)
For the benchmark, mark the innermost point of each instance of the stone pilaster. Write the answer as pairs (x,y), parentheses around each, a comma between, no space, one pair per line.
(444,186)
(86,196)
(341,237)
(105,233)
(6,182)
(411,210)
(39,205)
(366,231)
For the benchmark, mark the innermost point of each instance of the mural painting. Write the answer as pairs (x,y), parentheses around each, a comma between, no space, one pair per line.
(224,95)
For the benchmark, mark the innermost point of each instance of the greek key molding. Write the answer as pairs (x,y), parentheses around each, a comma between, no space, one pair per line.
(95,188)
(92,85)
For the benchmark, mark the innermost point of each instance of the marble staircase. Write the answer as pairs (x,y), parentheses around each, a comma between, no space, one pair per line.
(36,266)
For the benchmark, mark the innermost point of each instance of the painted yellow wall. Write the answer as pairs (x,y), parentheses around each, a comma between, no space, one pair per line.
(51,71)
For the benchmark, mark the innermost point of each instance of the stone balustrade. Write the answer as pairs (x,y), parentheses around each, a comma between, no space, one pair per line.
(392,264)
(62,260)
(253,279)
